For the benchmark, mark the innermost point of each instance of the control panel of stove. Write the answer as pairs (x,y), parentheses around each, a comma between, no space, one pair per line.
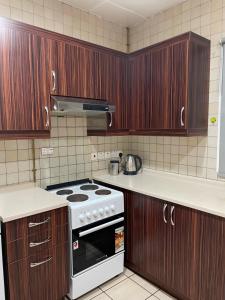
(96,211)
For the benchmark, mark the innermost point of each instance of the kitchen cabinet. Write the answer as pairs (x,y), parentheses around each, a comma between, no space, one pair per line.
(177,248)
(173,87)
(37,257)
(23,100)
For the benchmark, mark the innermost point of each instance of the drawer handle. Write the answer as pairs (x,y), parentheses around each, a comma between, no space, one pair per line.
(38,224)
(33,265)
(172,215)
(181,117)
(39,243)
(164,213)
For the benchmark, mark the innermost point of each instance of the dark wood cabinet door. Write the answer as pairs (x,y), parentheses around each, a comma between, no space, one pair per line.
(157,236)
(158,83)
(139,109)
(17,107)
(135,254)
(182,267)
(179,84)
(210,258)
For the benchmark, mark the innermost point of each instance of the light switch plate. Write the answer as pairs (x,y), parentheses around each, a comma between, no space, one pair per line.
(107,155)
(101,155)
(47,151)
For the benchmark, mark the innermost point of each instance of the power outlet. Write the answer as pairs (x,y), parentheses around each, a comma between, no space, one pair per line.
(94,156)
(107,155)
(46,151)
(101,155)
(114,153)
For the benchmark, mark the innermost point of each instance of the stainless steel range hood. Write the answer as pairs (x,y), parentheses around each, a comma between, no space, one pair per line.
(98,112)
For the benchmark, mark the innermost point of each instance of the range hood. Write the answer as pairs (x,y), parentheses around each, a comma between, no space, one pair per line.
(98,112)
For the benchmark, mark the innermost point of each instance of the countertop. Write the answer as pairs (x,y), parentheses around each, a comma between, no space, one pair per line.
(25,200)
(201,194)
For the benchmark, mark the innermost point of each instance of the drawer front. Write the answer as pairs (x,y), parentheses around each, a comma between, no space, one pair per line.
(32,278)
(41,222)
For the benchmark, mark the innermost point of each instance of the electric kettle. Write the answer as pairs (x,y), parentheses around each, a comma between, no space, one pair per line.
(132,164)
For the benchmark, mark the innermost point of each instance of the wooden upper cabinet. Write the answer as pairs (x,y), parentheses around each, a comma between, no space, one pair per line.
(173,87)
(158,74)
(16,82)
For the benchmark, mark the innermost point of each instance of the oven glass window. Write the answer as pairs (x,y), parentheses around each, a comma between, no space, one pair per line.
(94,247)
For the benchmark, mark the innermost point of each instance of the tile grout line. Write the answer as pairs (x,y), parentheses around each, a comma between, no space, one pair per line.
(114,284)
(151,294)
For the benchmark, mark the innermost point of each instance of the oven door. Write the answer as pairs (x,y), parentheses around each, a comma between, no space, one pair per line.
(96,242)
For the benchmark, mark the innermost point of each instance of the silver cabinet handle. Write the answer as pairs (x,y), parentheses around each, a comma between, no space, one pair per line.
(33,265)
(181,116)
(32,244)
(54,81)
(164,213)
(38,224)
(172,215)
(47,115)
(111,119)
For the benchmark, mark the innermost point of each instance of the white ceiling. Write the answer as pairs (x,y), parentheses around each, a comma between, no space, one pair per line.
(124,12)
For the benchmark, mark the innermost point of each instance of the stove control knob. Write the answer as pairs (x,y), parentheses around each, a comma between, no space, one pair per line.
(107,209)
(101,211)
(88,215)
(95,213)
(112,208)
(81,217)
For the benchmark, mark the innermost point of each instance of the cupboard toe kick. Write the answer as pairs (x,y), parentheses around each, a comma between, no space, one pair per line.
(37,258)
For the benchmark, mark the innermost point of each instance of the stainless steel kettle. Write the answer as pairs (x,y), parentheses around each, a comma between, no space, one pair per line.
(132,164)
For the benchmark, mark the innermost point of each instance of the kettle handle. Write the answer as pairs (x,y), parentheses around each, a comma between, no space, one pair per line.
(140,162)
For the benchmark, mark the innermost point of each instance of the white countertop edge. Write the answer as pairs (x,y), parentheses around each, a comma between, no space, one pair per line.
(31,213)
(103,177)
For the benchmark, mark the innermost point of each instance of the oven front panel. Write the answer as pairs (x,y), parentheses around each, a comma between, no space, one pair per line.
(94,244)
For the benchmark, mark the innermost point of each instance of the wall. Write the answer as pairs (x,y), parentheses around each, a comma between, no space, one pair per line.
(72,147)
(190,156)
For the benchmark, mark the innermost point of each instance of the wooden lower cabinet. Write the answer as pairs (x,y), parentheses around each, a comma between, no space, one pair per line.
(178,249)
(39,272)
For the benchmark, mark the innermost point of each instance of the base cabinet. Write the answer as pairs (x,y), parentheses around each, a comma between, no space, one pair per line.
(178,249)
(37,257)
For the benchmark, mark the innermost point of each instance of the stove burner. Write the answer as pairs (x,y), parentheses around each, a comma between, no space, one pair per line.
(89,187)
(64,192)
(77,198)
(103,192)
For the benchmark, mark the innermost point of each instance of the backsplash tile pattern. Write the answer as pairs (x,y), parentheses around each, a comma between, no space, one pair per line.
(62,18)
(71,158)
(190,156)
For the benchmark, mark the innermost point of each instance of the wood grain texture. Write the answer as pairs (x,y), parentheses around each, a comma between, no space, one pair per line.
(47,281)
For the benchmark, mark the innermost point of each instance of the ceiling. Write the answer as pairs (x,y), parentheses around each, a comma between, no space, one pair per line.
(124,12)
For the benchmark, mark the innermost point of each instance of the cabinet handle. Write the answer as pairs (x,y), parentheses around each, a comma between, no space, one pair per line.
(164,213)
(111,119)
(172,215)
(54,81)
(38,224)
(39,243)
(33,265)
(181,116)
(47,115)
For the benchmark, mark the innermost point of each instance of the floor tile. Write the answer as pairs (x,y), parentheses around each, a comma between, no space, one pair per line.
(112,282)
(127,289)
(103,296)
(128,272)
(153,298)
(163,296)
(91,294)
(144,283)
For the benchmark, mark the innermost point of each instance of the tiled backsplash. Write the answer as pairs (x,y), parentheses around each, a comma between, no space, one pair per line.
(192,156)
(71,158)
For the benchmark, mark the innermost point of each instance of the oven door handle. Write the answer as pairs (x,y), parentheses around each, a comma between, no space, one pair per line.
(86,232)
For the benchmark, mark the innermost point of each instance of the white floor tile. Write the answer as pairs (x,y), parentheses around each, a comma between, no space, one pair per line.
(112,282)
(163,296)
(127,289)
(91,294)
(144,283)
(128,272)
(103,296)
(153,298)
